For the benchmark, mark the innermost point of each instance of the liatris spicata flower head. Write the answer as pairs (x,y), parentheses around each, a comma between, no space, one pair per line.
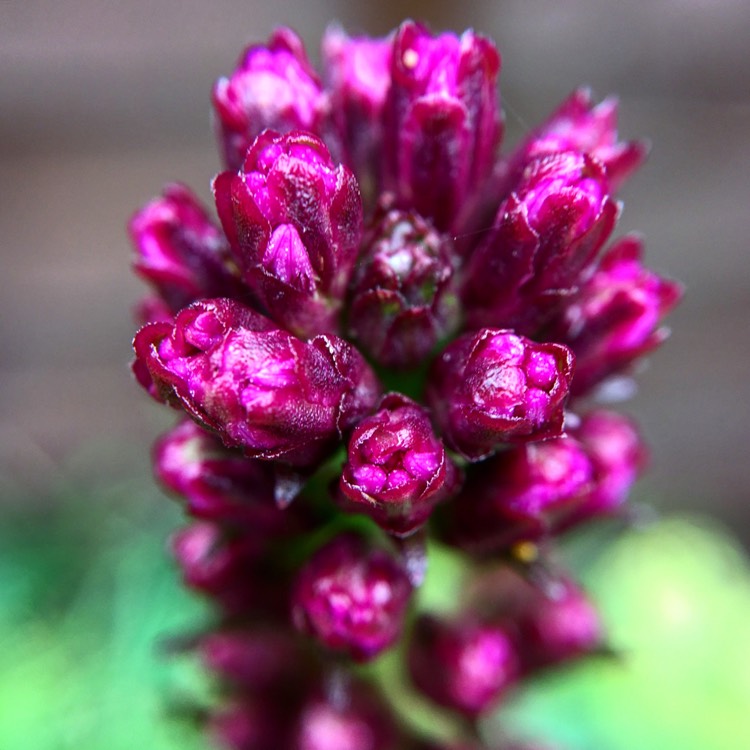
(373,237)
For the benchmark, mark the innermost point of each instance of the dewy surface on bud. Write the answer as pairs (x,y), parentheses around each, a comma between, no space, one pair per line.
(442,120)
(396,468)
(273,86)
(257,387)
(352,598)
(402,299)
(495,387)
(294,219)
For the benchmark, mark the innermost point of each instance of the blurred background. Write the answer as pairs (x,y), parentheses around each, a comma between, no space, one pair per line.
(102,103)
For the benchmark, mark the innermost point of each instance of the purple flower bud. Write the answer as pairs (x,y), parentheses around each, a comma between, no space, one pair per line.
(494,387)
(180,251)
(218,567)
(546,233)
(396,468)
(432,744)
(464,665)
(273,86)
(217,483)
(521,494)
(152,309)
(258,387)
(442,120)
(558,629)
(403,302)
(255,723)
(618,456)
(358,720)
(294,219)
(256,661)
(352,598)
(578,125)
(358,76)
(615,317)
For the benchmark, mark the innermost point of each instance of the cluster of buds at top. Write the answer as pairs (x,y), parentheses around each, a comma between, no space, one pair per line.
(385,335)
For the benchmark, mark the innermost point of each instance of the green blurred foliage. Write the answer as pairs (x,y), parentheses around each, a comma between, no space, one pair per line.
(676,601)
(88,599)
(90,603)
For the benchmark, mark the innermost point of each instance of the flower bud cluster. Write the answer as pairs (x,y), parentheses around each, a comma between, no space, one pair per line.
(469,661)
(386,336)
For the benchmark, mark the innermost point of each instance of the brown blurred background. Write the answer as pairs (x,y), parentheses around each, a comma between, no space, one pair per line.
(102,103)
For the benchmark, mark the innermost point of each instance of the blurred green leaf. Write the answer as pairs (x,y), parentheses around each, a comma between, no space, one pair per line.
(676,601)
(87,595)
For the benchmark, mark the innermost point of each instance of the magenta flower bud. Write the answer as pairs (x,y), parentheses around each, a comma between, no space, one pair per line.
(618,456)
(180,251)
(218,567)
(294,219)
(425,744)
(615,317)
(494,387)
(464,665)
(352,598)
(273,86)
(442,121)
(559,628)
(520,495)
(357,71)
(396,468)
(152,309)
(357,720)
(403,302)
(219,484)
(578,125)
(255,661)
(257,387)
(254,723)
(546,233)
